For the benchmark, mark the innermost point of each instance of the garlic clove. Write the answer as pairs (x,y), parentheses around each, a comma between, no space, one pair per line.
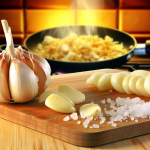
(132,84)
(140,72)
(116,81)
(27,61)
(91,110)
(4,80)
(104,82)
(45,66)
(125,84)
(2,99)
(45,94)
(59,104)
(88,81)
(147,84)
(140,87)
(96,77)
(39,72)
(76,96)
(39,66)
(23,87)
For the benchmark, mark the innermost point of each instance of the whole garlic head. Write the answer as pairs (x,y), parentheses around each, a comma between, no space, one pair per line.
(23,75)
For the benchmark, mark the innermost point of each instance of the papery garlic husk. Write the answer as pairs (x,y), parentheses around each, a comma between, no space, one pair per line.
(23,75)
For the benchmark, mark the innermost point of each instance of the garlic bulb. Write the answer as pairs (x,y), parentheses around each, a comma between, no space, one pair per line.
(23,75)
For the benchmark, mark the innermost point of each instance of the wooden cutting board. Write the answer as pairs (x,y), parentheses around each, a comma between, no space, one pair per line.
(38,117)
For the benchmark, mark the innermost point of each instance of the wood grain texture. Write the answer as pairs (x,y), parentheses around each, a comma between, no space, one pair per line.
(37,116)
(17,137)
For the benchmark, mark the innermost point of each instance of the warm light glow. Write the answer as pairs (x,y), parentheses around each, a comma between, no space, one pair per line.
(43,19)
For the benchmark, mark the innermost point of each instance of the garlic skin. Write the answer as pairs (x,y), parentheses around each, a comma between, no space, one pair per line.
(23,75)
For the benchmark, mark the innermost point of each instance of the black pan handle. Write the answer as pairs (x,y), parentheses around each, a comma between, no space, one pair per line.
(143,51)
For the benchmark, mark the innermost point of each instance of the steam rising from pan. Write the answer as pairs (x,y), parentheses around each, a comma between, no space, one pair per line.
(89,28)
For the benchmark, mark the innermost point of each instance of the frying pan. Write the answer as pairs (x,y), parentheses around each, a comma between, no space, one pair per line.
(33,40)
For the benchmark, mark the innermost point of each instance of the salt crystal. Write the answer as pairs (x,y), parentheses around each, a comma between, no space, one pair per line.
(114,124)
(74,116)
(66,118)
(79,122)
(86,122)
(91,127)
(95,126)
(85,126)
(92,102)
(102,120)
(103,101)
(126,120)
(124,117)
(94,118)
(132,118)
(136,120)
(119,117)
(110,90)
(108,100)
(114,108)
(89,118)
(126,113)
(83,114)
(109,122)
(144,116)
(100,115)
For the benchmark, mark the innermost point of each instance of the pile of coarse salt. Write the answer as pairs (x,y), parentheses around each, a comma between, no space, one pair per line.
(120,110)
(123,108)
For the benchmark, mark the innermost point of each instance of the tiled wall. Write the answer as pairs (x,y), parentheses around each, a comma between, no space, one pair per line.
(28,16)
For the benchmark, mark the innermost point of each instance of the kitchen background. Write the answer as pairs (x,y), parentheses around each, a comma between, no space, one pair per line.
(28,16)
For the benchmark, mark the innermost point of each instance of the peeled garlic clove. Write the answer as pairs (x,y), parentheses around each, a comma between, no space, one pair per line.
(23,87)
(45,94)
(104,82)
(147,84)
(125,84)
(88,81)
(76,96)
(59,104)
(140,72)
(116,81)
(95,78)
(132,84)
(140,87)
(91,110)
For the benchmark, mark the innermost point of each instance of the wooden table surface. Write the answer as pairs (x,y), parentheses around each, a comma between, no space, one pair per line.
(17,137)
